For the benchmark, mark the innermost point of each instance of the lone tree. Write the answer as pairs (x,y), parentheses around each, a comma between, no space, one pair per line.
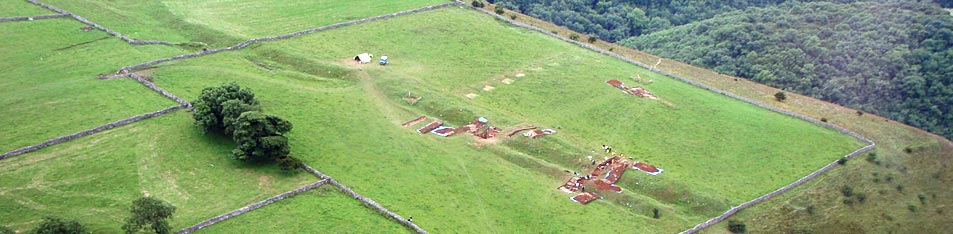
(57,225)
(149,211)
(259,137)
(210,108)
(780,96)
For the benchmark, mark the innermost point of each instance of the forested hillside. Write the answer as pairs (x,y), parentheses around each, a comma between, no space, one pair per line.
(892,58)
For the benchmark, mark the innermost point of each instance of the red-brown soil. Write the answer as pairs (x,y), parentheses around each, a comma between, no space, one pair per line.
(518,130)
(430,127)
(645,167)
(616,83)
(446,131)
(586,197)
(414,121)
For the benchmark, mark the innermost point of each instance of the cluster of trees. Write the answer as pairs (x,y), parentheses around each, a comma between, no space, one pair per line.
(614,20)
(146,211)
(620,19)
(892,59)
(233,111)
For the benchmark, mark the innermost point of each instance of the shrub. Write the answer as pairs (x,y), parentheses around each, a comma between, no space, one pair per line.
(811,209)
(6,230)
(780,96)
(513,16)
(842,161)
(860,113)
(290,163)
(872,157)
(56,225)
(923,199)
(889,177)
(498,10)
(912,208)
(861,197)
(477,4)
(908,150)
(593,39)
(848,202)
(574,37)
(847,191)
(736,226)
(655,213)
(899,188)
(824,120)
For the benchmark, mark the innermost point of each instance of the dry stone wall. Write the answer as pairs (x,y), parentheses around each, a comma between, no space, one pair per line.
(252,207)
(31,18)
(100,27)
(366,200)
(89,131)
(870,144)
(167,94)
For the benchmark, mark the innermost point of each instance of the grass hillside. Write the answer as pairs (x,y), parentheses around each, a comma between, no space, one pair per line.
(887,211)
(49,87)
(324,209)
(716,151)
(94,179)
(347,123)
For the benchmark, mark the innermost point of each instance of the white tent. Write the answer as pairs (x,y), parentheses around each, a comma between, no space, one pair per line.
(363,57)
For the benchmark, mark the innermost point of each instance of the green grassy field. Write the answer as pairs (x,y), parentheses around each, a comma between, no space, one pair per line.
(347,122)
(11,8)
(49,87)
(446,184)
(716,151)
(94,179)
(323,210)
(225,23)
(707,137)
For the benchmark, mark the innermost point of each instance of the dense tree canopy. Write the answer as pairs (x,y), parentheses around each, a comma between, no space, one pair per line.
(233,111)
(218,106)
(892,59)
(149,211)
(259,137)
(620,19)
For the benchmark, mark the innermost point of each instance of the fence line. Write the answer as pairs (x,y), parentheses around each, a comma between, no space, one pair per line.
(88,132)
(252,207)
(158,89)
(366,200)
(31,18)
(280,37)
(870,144)
(100,27)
